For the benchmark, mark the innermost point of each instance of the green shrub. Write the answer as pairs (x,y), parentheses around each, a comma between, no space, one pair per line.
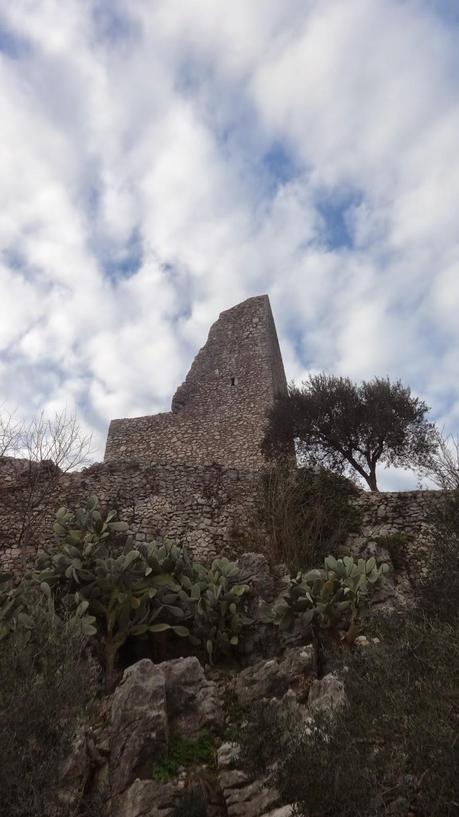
(308,514)
(438,592)
(391,750)
(185,752)
(46,681)
(235,716)
(191,803)
(269,730)
(396,545)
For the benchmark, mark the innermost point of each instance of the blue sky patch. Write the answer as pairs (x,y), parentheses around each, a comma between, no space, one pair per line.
(13,258)
(333,210)
(11,44)
(279,165)
(111,23)
(125,262)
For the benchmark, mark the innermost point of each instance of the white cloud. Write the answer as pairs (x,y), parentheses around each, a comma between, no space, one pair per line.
(160,162)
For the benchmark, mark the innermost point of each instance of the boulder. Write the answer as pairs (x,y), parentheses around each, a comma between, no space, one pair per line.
(75,773)
(192,701)
(151,702)
(327,695)
(254,799)
(138,724)
(145,798)
(245,796)
(228,754)
(272,678)
(256,572)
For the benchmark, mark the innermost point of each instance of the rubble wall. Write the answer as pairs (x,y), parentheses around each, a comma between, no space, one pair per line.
(397,526)
(206,508)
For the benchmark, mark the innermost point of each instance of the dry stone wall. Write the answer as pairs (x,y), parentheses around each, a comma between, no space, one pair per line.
(210,509)
(397,526)
(396,511)
(206,508)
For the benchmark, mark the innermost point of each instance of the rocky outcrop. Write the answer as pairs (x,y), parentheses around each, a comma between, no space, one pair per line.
(192,701)
(249,796)
(156,704)
(326,695)
(272,678)
(145,798)
(139,727)
(255,569)
(244,796)
(151,704)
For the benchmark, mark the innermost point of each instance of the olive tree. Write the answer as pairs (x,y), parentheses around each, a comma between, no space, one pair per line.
(350,427)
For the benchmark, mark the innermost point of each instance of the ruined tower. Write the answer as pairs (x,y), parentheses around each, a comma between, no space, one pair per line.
(219,413)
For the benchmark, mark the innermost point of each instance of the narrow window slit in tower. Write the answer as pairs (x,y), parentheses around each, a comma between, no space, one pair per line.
(233,381)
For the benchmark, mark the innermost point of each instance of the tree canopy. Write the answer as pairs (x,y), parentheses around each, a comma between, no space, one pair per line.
(350,427)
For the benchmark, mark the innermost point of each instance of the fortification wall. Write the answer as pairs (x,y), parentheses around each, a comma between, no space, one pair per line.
(206,508)
(210,509)
(396,511)
(219,413)
(397,526)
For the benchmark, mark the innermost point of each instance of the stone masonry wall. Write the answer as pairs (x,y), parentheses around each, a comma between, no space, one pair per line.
(210,509)
(396,511)
(396,525)
(219,413)
(206,508)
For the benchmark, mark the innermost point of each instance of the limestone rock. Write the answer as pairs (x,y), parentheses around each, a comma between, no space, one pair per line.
(244,796)
(250,799)
(255,571)
(138,728)
(268,679)
(145,798)
(75,772)
(227,755)
(327,695)
(192,701)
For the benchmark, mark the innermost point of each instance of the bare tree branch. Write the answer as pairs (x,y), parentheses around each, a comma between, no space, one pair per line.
(58,439)
(44,448)
(443,466)
(10,434)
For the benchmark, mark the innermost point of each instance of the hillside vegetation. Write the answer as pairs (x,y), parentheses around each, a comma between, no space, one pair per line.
(94,604)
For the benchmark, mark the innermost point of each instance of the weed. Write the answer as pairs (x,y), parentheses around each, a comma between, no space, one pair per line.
(184,752)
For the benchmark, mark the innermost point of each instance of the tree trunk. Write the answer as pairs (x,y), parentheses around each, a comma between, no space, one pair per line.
(110,656)
(317,650)
(371,479)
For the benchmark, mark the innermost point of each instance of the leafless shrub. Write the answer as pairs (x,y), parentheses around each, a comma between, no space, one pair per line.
(47,447)
(443,465)
(10,433)
(58,439)
(308,513)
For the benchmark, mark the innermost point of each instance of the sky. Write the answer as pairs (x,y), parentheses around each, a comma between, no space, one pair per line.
(163,160)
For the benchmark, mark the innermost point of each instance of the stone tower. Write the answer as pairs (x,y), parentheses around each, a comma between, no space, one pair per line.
(219,413)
